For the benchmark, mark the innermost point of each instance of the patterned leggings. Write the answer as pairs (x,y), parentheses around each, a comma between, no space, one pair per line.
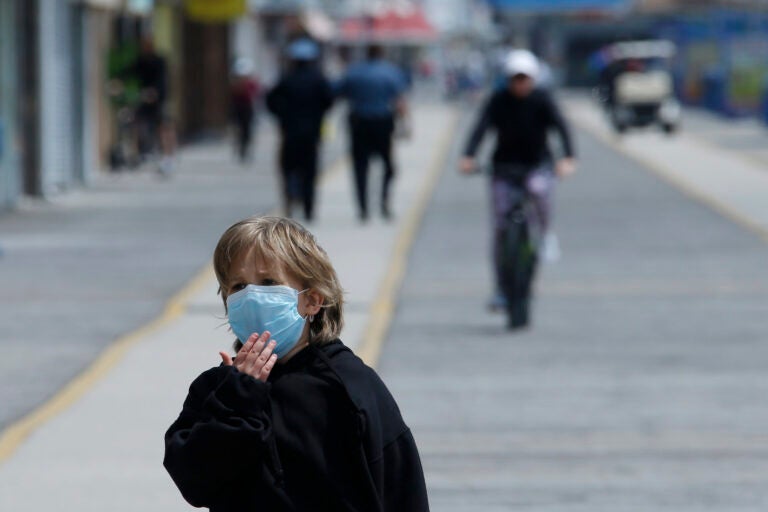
(539,185)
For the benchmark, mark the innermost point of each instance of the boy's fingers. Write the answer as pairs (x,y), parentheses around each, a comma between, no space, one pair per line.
(242,354)
(261,361)
(253,356)
(226,359)
(265,371)
(248,345)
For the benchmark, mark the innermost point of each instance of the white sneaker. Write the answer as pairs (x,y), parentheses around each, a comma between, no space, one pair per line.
(165,168)
(550,248)
(498,303)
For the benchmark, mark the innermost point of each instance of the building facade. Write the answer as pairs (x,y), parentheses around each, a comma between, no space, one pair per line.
(10,174)
(58,112)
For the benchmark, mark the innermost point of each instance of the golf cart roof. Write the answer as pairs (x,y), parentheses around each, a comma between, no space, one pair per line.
(651,49)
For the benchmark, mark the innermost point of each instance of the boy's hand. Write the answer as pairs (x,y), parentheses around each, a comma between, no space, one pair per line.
(255,358)
(565,167)
(467,165)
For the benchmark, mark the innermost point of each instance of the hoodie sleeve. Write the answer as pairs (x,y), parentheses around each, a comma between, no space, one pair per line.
(400,477)
(275,100)
(481,126)
(223,431)
(558,121)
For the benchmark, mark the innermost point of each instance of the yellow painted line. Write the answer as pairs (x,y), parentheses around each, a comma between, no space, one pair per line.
(382,311)
(14,435)
(682,185)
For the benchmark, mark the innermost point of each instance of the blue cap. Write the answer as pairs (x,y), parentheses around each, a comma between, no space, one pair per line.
(303,49)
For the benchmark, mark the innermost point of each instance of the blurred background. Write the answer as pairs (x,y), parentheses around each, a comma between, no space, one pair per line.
(65,65)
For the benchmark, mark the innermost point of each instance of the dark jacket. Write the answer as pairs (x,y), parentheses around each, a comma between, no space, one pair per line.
(323,434)
(522,126)
(150,71)
(299,102)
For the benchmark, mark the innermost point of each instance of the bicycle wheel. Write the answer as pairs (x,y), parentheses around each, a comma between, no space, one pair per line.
(518,266)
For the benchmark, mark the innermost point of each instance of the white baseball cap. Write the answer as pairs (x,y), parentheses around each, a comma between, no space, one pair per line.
(243,66)
(521,62)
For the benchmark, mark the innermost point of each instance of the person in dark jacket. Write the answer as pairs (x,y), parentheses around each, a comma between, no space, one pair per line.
(244,96)
(299,101)
(296,422)
(155,129)
(522,116)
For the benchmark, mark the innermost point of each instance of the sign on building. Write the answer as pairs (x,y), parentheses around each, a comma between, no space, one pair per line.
(215,10)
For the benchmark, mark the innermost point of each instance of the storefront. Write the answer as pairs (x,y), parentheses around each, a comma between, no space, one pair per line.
(206,43)
(722,62)
(59,69)
(98,22)
(10,182)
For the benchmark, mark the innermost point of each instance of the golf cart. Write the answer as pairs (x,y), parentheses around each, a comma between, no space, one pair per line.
(636,86)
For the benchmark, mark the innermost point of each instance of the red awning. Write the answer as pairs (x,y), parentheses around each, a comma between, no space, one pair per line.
(390,26)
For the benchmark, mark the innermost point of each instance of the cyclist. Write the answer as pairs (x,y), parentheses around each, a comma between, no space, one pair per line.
(522,115)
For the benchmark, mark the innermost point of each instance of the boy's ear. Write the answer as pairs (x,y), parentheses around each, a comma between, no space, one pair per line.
(315,301)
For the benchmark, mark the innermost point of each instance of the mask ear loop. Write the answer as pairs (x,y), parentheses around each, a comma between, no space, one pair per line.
(311,318)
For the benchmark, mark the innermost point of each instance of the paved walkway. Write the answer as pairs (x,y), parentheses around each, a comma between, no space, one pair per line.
(86,267)
(747,135)
(99,446)
(641,386)
(705,163)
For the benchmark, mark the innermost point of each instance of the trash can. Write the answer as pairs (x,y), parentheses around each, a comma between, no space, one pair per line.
(715,91)
(764,101)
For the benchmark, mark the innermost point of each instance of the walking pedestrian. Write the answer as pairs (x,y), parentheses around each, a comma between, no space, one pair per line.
(299,101)
(295,422)
(375,90)
(244,98)
(155,128)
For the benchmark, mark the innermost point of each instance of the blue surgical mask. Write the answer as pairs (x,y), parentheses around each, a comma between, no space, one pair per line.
(267,308)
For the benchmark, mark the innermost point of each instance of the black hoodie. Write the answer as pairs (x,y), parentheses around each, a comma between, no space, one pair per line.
(300,100)
(522,126)
(323,434)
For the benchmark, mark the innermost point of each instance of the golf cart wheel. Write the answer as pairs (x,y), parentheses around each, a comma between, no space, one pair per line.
(669,128)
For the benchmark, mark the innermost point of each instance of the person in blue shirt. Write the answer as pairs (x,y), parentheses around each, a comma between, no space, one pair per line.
(375,91)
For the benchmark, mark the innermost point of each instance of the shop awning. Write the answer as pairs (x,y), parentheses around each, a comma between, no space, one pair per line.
(215,10)
(394,26)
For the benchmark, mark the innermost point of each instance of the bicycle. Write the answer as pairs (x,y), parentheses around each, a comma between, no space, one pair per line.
(518,238)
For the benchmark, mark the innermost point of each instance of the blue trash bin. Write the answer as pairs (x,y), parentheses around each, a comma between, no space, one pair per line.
(715,91)
(764,102)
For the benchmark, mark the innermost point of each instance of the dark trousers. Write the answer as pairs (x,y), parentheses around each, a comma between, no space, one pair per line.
(244,126)
(538,184)
(148,120)
(298,163)
(371,137)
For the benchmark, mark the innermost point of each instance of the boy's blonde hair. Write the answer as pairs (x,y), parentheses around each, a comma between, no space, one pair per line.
(290,245)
